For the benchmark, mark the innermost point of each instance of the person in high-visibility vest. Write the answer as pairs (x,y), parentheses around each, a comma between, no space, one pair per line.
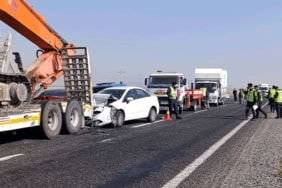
(205,97)
(259,99)
(278,102)
(172,99)
(251,99)
(271,99)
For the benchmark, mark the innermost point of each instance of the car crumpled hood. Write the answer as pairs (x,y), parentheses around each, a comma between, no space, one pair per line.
(103,99)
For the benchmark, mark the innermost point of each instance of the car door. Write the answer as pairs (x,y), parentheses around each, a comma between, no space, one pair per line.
(144,103)
(130,107)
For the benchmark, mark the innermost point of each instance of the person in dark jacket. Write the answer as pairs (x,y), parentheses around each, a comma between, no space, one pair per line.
(251,100)
(235,94)
(271,99)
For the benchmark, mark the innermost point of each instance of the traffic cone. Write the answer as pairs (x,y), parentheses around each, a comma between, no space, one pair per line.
(167,116)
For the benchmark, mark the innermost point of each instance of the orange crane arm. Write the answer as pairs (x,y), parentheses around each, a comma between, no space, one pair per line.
(19,15)
(24,19)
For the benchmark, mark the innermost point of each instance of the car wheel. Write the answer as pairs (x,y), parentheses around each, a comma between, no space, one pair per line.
(152,115)
(113,115)
(120,118)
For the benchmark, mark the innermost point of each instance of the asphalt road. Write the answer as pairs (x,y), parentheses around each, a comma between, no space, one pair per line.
(192,152)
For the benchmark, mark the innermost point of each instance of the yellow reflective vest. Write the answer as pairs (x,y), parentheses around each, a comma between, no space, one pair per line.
(271,93)
(250,96)
(258,95)
(278,96)
(204,90)
(172,93)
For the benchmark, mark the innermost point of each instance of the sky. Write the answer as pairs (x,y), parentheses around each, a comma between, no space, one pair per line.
(128,40)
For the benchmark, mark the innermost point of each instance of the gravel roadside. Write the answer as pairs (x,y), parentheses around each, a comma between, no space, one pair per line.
(260,164)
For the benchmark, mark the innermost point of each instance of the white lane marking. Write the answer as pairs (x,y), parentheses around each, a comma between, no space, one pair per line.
(10,157)
(106,140)
(200,111)
(174,182)
(145,124)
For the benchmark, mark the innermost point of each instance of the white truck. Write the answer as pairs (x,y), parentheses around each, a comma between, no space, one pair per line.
(215,80)
(263,87)
(159,81)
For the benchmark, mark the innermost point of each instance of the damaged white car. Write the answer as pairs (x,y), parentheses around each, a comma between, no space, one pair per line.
(116,105)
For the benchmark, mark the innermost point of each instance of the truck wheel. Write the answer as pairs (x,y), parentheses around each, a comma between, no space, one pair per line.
(120,118)
(51,119)
(73,117)
(152,115)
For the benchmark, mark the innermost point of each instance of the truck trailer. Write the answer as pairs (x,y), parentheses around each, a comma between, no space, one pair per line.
(215,80)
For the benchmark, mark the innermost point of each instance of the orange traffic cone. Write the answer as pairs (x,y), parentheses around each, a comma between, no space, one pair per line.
(167,116)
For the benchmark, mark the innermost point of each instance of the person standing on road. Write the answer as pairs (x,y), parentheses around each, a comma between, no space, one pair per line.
(241,96)
(278,102)
(172,99)
(180,96)
(259,99)
(205,104)
(271,99)
(250,98)
(235,94)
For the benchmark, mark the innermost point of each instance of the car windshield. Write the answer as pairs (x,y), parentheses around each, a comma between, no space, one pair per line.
(210,86)
(117,93)
(100,86)
(162,81)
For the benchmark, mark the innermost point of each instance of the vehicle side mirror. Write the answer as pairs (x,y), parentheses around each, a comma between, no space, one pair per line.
(128,99)
(146,81)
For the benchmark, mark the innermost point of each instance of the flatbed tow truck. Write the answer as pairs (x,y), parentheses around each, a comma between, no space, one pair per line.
(57,57)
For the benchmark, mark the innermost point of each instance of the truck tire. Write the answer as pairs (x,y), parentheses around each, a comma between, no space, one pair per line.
(152,115)
(73,117)
(51,119)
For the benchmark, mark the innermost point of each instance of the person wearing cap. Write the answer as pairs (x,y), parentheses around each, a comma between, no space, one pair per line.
(250,99)
(172,99)
(259,99)
(271,99)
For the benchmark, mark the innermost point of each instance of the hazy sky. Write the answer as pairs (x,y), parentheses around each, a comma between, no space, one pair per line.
(129,39)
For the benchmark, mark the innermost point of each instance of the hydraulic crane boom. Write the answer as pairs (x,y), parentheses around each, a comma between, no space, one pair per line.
(23,18)
(19,87)
(48,67)
(58,57)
